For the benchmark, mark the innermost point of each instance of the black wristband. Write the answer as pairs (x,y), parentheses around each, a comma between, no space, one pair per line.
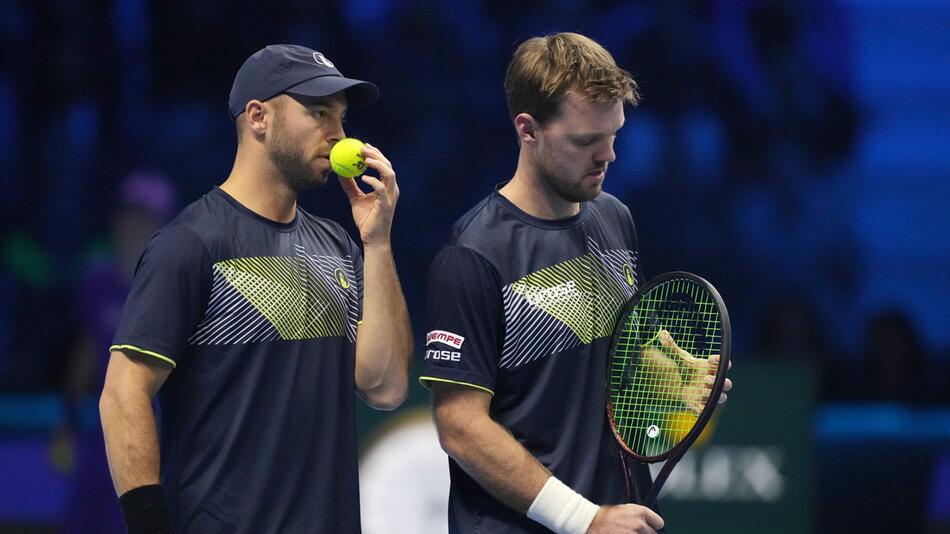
(144,510)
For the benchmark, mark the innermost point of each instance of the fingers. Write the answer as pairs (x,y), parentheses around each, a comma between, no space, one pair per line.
(630,518)
(666,340)
(726,386)
(369,151)
(715,359)
(710,379)
(350,188)
(375,160)
(653,519)
(696,408)
(378,162)
(375,183)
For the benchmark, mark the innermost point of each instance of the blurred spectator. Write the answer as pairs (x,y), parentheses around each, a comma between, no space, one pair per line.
(31,292)
(791,329)
(895,360)
(146,202)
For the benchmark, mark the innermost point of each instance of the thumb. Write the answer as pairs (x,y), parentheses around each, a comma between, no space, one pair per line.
(667,342)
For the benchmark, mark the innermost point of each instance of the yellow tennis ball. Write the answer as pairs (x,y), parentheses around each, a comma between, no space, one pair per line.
(346,158)
(679,423)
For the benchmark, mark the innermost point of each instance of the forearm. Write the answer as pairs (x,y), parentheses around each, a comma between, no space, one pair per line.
(495,459)
(131,438)
(384,338)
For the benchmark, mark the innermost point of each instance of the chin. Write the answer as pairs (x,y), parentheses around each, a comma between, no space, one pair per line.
(586,194)
(307,184)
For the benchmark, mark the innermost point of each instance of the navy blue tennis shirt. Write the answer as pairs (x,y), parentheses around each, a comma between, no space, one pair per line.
(259,319)
(523,308)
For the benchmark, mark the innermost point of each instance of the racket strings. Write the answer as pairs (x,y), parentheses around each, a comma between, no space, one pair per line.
(658,384)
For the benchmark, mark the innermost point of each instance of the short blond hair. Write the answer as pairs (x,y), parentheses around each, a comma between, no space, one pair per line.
(543,69)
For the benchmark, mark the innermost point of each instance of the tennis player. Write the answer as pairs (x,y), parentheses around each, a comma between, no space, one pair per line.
(521,303)
(245,313)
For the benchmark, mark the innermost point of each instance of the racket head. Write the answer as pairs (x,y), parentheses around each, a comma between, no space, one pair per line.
(654,393)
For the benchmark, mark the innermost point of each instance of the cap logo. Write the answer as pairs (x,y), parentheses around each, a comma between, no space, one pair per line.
(321,59)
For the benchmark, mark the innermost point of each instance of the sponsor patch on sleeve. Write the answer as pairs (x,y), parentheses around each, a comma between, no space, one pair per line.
(446,338)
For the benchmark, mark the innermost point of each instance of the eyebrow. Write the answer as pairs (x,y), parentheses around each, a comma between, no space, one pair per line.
(323,104)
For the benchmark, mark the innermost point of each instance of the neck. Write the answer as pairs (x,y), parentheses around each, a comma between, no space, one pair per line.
(528,191)
(256,184)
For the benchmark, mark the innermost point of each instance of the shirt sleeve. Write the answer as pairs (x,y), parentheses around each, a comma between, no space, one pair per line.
(463,321)
(357,256)
(168,296)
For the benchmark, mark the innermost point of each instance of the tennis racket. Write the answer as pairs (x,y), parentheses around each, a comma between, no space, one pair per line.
(663,377)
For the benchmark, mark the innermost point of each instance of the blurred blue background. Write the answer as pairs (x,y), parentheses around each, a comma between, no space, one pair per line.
(796,154)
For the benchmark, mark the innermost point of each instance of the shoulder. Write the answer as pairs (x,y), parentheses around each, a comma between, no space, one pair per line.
(470,226)
(462,259)
(320,223)
(175,245)
(478,234)
(208,219)
(486,228)
(610,206)
(177,236)
(614,218)
(327,229)
(460,269)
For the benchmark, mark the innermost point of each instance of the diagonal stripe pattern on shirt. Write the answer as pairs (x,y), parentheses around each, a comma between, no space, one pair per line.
(566,305)
(268,298)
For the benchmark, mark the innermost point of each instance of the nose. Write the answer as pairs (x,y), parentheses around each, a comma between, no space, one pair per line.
(606,153)
(336,132)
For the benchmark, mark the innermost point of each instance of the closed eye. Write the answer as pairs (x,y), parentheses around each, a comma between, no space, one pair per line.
(586,140)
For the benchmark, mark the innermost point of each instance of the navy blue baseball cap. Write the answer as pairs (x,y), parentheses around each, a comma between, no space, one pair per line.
(297,70)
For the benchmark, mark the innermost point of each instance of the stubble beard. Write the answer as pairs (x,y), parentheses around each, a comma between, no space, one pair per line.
(568,189)
(292,166)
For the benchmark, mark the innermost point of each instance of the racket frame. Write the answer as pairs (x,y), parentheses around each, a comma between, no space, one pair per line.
(673,455)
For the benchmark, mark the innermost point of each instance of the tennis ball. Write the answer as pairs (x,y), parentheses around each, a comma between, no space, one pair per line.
(679,423)
(346,158)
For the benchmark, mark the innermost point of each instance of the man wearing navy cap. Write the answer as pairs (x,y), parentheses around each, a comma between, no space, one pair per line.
(258,307)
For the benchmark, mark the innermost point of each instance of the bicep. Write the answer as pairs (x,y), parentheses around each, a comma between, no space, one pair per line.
(135,372)
(455,404)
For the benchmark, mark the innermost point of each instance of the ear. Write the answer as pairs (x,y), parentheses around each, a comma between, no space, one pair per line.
(526,127)
(254,114)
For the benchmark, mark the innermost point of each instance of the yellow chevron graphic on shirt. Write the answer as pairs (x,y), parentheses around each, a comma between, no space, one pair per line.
(579,293)
(281,290)
(566,304)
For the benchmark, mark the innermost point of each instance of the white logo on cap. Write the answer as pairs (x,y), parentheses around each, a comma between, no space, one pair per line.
(321,59)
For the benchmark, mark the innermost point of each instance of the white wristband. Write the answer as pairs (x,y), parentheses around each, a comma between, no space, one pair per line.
(562,509)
